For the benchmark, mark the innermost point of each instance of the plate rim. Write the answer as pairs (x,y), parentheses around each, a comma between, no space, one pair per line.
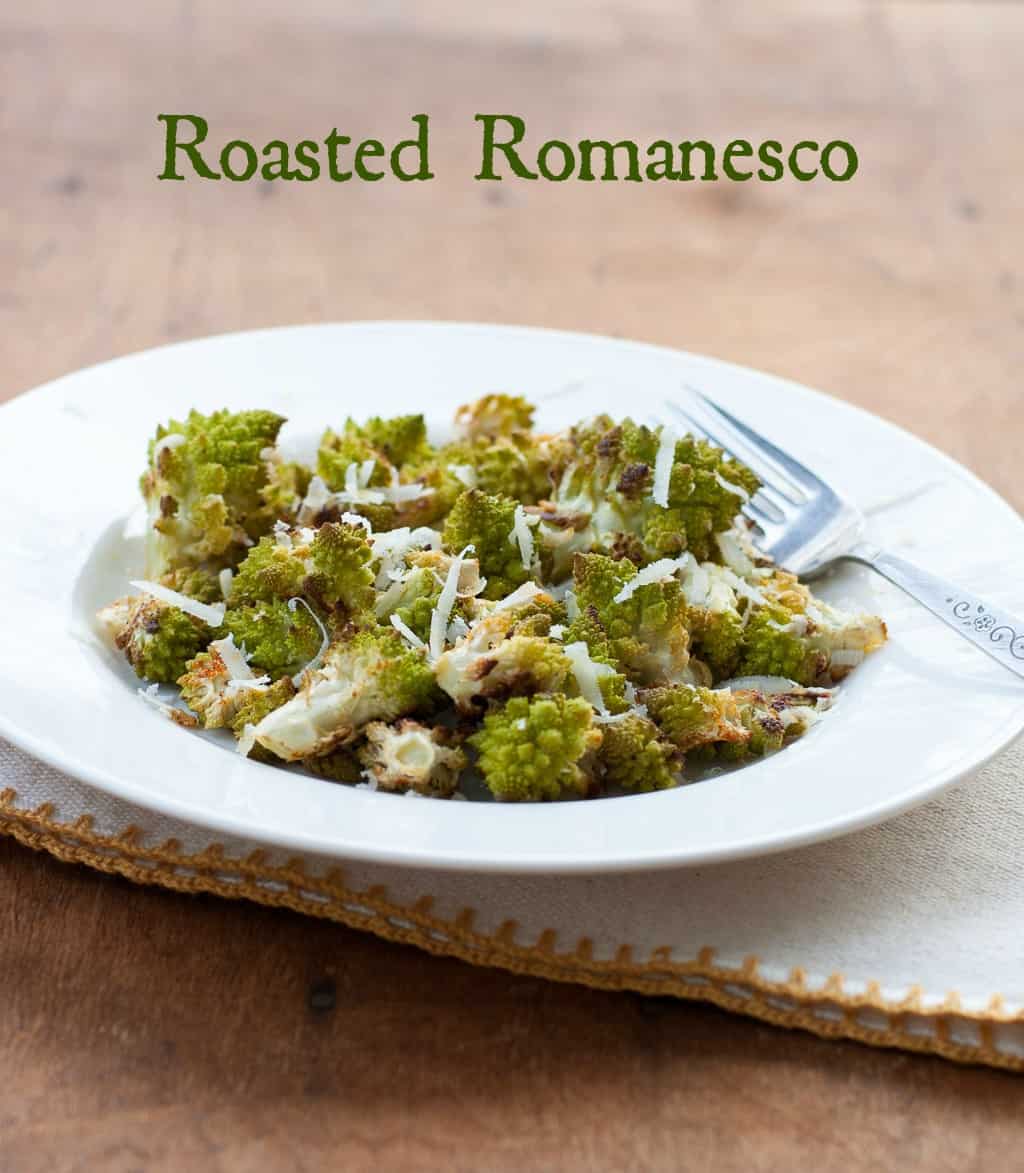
(417,856)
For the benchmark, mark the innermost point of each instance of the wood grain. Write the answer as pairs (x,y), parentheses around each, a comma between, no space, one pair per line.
(142,1030)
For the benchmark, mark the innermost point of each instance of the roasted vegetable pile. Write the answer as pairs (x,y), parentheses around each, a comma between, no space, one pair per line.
(570,614)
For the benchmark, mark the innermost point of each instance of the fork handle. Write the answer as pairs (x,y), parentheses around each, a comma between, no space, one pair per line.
(994,631)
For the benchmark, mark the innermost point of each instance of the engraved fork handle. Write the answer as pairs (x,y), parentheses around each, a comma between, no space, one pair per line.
(996,632)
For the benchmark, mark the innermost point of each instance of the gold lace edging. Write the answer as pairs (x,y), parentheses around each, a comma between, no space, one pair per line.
(828,1010)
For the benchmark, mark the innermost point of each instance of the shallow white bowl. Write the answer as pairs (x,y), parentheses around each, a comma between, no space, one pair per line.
(914,718)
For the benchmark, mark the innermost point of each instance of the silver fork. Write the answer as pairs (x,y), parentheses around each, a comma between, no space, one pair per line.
(805,526)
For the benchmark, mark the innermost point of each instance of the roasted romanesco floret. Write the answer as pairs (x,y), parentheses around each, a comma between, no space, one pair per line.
(294,586)
(204,488)
(401,438)
(635,756)
(340,765)
(373,676)
(804,639)
(645,633)
(771,720)
(411,756)
(487,523)
(330,567)
(606,497)
(157,640)
(690,716)
(218,682)
(280,637)
(494,415)
(533,747)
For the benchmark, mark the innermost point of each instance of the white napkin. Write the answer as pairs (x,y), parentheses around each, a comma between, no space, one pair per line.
(908,934)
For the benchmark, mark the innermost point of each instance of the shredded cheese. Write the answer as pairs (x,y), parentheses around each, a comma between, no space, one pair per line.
(742,587)
(465,474)
(572,607)
(406,632)
(736,558)
(358,519)
(393,546)
(317,498)
(446,601)
(210,613)
(325,640)
(769,685)
(149,695)
(235,662)
(729,487)
(663,467)
(658,571)
(588,674)
(519,597)
(225,578)
(522,537)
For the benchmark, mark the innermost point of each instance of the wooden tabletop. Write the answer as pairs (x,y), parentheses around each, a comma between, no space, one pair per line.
(145,1030)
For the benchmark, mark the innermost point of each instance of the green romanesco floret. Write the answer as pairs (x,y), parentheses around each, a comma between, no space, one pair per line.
(257,703)
(270,571)
(717,639)
(690,716)
(494,415)
(204,688)
(532,748)
(486,522)
(646,633)
(157,640)
(342,574)
(412,598)
(330,567)
(519,665)
(707,489)
(219,681)
(202,585)
(401,438)
(771,720)
(339,450)
(635,756)
(280,637)
(253,706)
(339,765)
(372,676)
(511,466)
(287,485)
(411,756)
(605,494)
(770,649)
(204,488)
(802,638)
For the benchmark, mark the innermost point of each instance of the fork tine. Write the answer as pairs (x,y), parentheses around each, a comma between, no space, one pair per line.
(796,471)
(766,470)
(766,528)
(763,505)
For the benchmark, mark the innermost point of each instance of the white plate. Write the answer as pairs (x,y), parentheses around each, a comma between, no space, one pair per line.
(914,718)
